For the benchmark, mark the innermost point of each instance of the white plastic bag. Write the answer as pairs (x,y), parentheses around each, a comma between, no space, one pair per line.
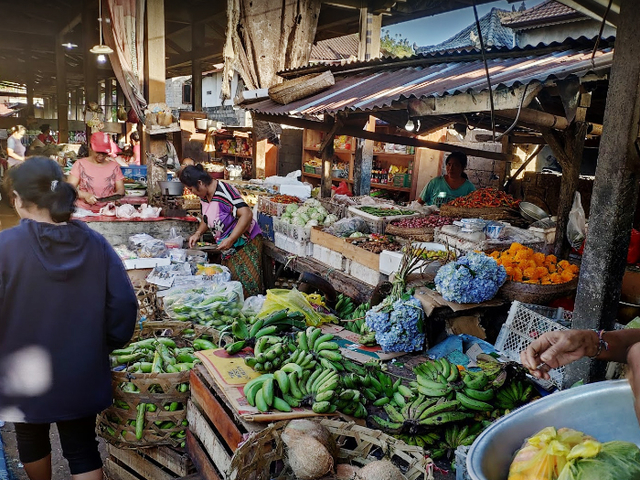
(576,226)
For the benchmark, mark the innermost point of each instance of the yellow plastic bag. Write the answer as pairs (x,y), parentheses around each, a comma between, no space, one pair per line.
(544,455)
(280,298)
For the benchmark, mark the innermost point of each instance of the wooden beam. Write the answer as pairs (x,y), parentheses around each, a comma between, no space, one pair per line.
(381,137)
(535,118)
(197,39)
(327,152)
(615,194)
(155,51)
(504,99)
(89,39)
(175,47)
(61,89)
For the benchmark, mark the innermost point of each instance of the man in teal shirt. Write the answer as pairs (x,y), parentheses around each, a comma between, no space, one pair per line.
(450,186)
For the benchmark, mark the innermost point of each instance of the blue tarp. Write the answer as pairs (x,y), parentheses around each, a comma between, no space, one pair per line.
(5,472)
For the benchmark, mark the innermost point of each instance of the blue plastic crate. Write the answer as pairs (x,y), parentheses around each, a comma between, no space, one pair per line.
(266,225)
(135,172)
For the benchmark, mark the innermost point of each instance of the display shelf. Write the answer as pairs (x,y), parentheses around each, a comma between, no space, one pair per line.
(337,150)
(335,179)
(387,186)
(394,156)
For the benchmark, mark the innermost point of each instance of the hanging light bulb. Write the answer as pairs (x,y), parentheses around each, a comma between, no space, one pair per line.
(101,49)
(410,126)
(102,58)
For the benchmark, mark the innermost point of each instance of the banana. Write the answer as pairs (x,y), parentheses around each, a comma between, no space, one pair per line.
(330,384)
(256,327)
(322,339)
(267,391)
(281,405)
(321,407)
(292,367)
(294,389)
(302,341)
(337,364)
(467,441)
(430,383)
(360,412)
(312,335)
(369,394)
(472,404)
(320,379)
(261,404)
(250,362)
(235,347)
(282,378)
(291,400)
(239,329)
(438,408)
(526,394)
(330,355)
(260,345)
(445,369)
(259,380)
(251,393)
(381,401)
(306,361)
(446,417)
(312,379)
(394,415)
(347,395)
(399,399)
(405,391)
(482,395)
(326,395)
(270,330)
(454,376)
(434,392)
(476,381)
(327,346)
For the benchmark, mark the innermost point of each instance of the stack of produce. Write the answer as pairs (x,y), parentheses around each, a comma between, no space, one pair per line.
(310,214)
(488,197)
(385,212)
(431,221)
(522,264)
(376,243)
(210,304)
(474,278)
(354,319)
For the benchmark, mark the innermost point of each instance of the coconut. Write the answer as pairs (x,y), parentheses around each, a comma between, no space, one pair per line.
(299,428)
(309,459)
(344,471)
(380,470)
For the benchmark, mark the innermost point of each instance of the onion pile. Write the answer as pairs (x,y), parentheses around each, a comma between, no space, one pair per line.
(424,222)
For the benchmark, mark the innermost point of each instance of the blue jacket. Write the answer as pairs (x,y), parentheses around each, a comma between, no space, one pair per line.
(65,303)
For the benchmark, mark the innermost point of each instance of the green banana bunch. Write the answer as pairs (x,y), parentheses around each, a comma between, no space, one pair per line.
(381,389)
(351,402)
(270,352)
(276,322)
(319,389)
(424,440)
(457,435)
(322,348)
(434,369)
(344,307)
(261,393)
(515,394)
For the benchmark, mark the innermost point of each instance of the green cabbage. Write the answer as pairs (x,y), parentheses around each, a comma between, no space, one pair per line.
(299,221)
(311,223)
(330,220)
(291,208)
(613,461)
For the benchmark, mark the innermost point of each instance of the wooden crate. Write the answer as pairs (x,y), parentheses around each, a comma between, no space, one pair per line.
(344,246)
(215,430)
(158,463)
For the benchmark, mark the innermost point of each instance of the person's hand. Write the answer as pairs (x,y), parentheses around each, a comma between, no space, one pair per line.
(225,244)
(193,239)
(555,349)
(90,199)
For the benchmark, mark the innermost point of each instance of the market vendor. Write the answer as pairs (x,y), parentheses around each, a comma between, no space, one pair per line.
(450,186)
(231,221)
(15,149)
(97,176)
(45,134)
(559,348)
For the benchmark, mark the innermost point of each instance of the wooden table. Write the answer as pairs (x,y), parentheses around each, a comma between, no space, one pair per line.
(343,283)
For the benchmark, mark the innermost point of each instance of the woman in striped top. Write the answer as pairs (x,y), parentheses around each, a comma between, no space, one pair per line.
(231,221)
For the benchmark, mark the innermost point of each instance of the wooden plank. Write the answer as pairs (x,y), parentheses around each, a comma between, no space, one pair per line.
(113,471)
(214,411)
(346,248)
(201,429)
(350,286)
(155,54)
(202,462)
(178,463)
(144,468)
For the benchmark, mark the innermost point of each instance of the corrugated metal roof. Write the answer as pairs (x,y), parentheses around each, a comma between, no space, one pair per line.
(338,48)
(546,13)
(370,89)
(493,34)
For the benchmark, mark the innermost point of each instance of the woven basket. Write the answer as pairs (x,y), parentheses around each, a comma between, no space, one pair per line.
(116,418)
(262,456)
(424,234)
(297,88)
(488,213)
(536,294)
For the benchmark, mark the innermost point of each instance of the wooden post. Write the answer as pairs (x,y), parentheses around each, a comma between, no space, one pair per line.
(327,151)
(197,41)
(615,193)
(368,48)
(29,81)
(89,39)
(61,92)
(363,162)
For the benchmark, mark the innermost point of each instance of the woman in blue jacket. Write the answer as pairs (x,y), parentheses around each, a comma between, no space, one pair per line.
(65,303)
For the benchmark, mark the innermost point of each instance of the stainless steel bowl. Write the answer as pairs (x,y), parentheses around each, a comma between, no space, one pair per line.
(532,212)
(603,410)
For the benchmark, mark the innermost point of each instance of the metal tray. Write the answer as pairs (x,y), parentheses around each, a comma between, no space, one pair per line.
(603,410)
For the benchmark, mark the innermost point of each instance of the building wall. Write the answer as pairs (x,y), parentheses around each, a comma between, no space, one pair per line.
(173,92)
(559,33)
(211,88)
(290,151)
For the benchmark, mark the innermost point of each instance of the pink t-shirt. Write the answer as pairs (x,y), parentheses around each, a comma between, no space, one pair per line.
(97,179)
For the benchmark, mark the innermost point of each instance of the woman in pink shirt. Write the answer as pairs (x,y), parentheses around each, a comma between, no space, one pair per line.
(97,175)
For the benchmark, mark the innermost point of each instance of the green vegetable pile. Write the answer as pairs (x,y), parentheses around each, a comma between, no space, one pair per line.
(385,212)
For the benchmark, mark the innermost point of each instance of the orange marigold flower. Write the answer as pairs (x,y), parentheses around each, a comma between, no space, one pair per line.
(563,264)
(552,258)
(495,255)
(506,262)
(530,273)
(556,278)
(573,269)
(517,275)
(567,275)
(541,271)
(515,247)
(545,279)
(552,268)
(539,258)
(522,255)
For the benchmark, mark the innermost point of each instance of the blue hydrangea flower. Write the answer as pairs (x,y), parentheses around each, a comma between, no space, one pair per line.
(474,278)
(401,329)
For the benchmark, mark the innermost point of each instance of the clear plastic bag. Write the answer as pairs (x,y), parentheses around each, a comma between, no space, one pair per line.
(347,226)
(602,461)
(253,305)
(175,240)
(209,304)
(576,226)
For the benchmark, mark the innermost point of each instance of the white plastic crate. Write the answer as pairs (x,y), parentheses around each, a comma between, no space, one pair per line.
(378,224)
(296,232)
(275,209)
(461,463)
(328,257)
(525,323)
(365,274)
(295,247)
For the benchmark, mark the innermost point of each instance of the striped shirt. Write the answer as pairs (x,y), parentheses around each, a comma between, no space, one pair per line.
(222,211)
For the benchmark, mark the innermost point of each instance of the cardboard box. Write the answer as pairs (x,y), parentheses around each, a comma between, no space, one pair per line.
(141,263)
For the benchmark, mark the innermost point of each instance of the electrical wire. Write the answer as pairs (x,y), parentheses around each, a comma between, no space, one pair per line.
(604,20)
(524,94)
(486,69)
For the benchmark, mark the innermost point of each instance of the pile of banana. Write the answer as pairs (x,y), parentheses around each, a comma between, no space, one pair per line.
(455,436)
(514,395)
(246,335)
(344,306)
(270,353)
(321,347)
(421,414)
(354,319)
(381,389)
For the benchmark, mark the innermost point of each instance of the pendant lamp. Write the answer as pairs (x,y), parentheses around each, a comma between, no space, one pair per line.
(101,49)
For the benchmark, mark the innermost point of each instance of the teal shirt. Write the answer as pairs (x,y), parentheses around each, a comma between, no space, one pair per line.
(430,194)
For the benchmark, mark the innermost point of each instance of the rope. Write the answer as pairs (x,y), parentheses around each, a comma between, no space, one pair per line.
(486,69)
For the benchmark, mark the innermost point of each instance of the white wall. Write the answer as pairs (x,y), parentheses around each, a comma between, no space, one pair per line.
(211,87)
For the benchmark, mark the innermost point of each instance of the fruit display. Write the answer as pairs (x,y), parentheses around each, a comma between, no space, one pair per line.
(523,264)
(424,222)
(485,197)
(247,334)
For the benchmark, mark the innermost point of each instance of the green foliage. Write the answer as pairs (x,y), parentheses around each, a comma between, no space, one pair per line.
(395,46)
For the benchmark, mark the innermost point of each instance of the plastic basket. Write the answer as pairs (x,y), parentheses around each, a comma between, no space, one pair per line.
(266,206)
(295,232)
(525,323)
(135,172)
(337,209)
(309,169)
(377,224)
